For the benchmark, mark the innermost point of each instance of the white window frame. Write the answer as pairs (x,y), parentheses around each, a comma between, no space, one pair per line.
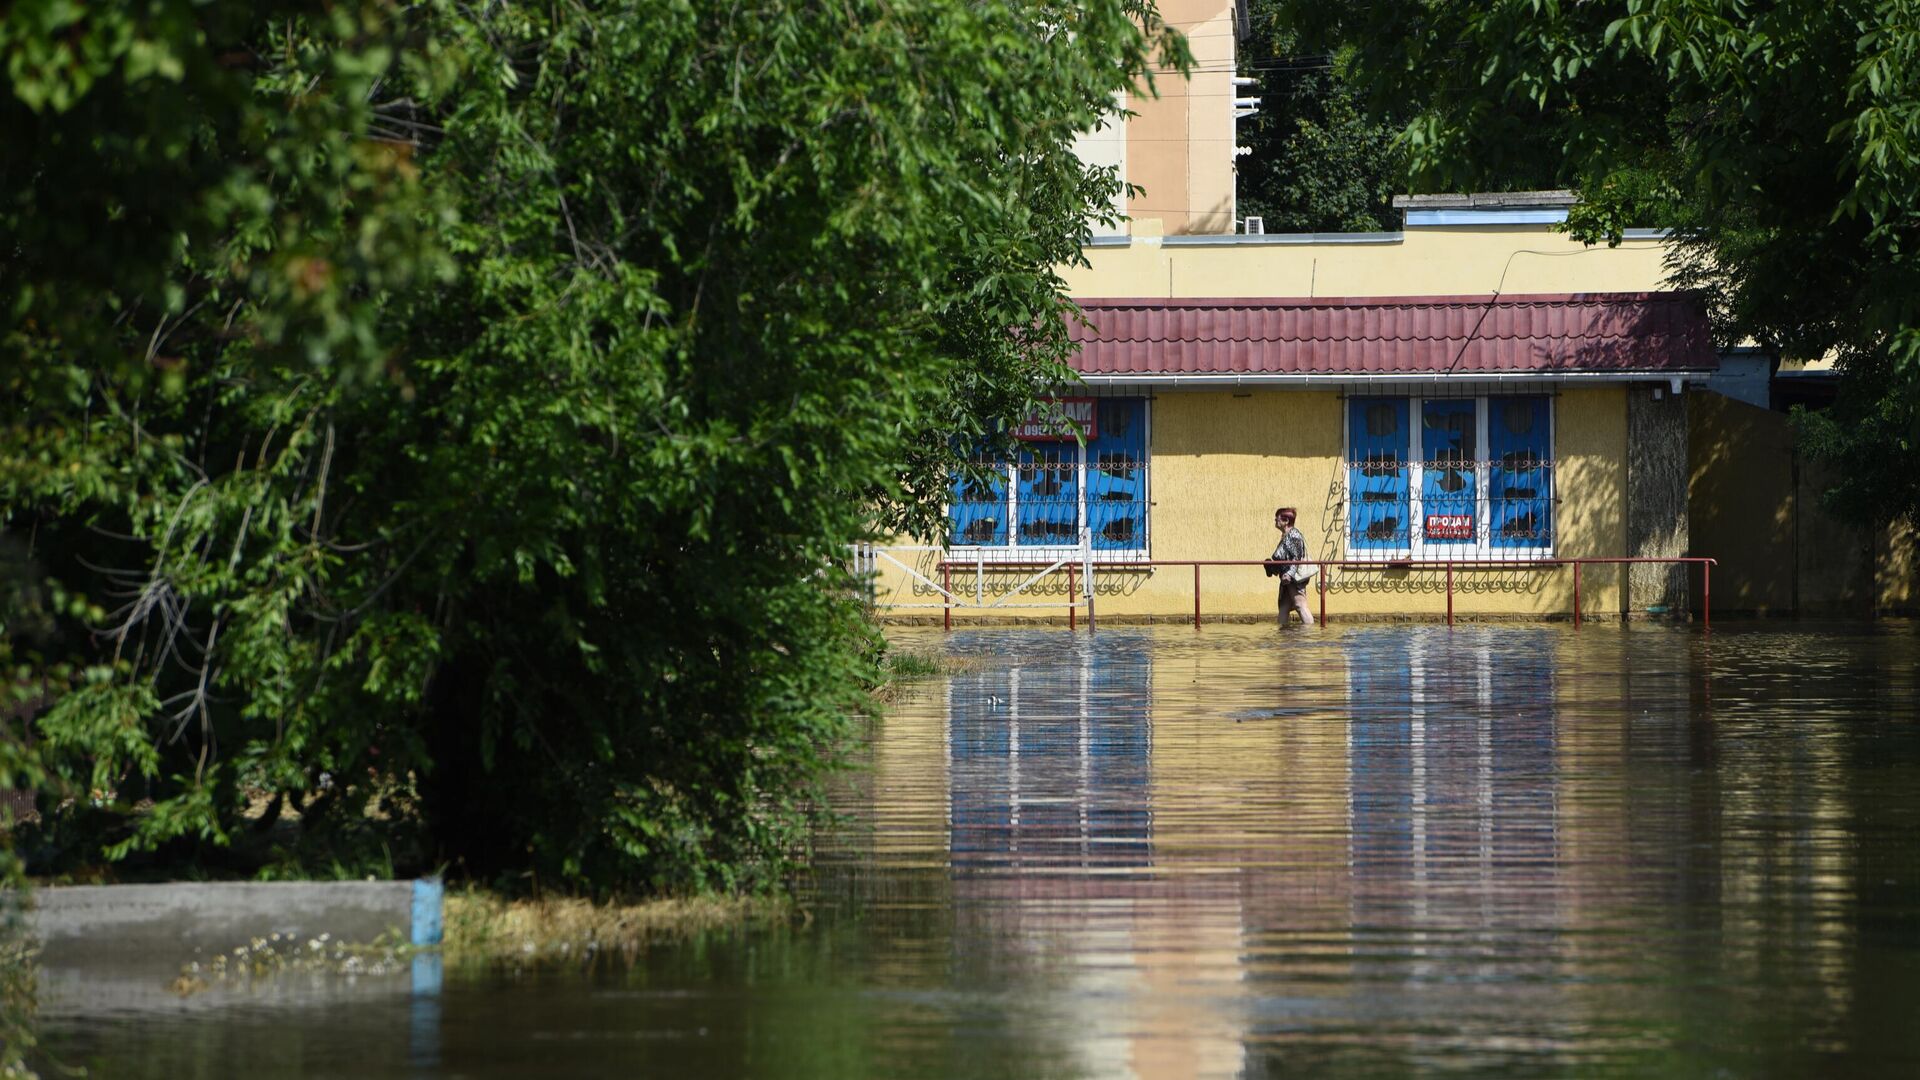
(1012,552)
(1419,550)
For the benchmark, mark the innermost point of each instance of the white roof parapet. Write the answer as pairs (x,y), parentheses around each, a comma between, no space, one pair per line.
(1488,200)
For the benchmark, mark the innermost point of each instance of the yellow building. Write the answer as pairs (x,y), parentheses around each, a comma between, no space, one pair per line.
(1475,416)
(1475,391)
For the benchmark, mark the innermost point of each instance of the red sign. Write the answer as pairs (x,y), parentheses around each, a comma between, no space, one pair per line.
(1082,411)
(1449,526)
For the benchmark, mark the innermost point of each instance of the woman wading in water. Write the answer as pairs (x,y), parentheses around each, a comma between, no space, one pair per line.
(1293,579)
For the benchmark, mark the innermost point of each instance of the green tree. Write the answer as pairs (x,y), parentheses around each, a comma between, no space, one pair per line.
(461,441)
(1779,140)
(1317,162)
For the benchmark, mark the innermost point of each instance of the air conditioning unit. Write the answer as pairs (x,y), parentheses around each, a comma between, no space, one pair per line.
(1256,226)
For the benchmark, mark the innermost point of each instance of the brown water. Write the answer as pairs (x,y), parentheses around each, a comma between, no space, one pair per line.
(1242,852)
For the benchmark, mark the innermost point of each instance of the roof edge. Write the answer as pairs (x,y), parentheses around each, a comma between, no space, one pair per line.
(1487,200)
(1381,301)
(1394,378)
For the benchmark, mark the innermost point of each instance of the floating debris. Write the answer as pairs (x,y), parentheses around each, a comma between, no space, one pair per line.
(279,954)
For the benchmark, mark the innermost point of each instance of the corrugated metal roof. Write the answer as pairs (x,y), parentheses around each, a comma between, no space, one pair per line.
(1658,333)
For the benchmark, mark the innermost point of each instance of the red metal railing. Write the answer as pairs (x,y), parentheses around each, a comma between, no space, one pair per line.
(1449,566)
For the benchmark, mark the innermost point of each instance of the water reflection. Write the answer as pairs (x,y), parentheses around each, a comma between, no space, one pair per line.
(1086,735)
(1515,848)
(1156,853)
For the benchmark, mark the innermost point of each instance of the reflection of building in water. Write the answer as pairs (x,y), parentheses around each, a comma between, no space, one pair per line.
(1453,781)
(1050,764)
(1053,797)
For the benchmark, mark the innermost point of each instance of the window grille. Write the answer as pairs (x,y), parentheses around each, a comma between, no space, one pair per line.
(1014,511)
(1450,478)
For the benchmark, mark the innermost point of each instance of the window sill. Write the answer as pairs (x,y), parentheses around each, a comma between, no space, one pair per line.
(1039,557)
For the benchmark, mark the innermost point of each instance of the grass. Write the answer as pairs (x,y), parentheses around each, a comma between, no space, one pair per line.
(905,666)
(911,667)
(483,927)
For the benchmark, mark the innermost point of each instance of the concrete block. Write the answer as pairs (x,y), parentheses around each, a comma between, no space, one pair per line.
(184,920)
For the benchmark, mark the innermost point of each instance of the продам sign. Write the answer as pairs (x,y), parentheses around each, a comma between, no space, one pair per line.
(1449,526)
(1082,411)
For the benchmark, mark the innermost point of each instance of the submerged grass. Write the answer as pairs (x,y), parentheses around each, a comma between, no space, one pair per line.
(903,668)
(484,927)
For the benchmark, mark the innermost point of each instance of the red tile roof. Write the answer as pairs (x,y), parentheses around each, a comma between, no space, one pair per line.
(1658,333)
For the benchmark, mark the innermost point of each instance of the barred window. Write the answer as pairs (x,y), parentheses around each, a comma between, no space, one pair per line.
(1450,477)
(1041,499)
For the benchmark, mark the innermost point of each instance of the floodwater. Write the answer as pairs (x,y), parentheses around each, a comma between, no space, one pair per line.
(1153,852)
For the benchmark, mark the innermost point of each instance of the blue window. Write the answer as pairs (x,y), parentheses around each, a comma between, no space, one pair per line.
(1519,473)
(1117,476)
(1048,490)
(1449,508)
(1378,507)
(1055,486)
(977,508)
(1470,477)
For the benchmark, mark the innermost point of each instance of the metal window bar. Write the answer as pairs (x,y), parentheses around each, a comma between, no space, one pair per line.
(1486,509)
(1047,499)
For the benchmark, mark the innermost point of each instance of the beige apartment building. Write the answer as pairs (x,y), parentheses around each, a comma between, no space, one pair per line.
(1178,146)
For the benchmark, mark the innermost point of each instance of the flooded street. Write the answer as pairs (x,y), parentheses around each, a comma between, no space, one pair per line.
(1369,850)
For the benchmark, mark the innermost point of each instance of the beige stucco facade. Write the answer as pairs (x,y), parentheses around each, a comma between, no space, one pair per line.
(1219,464)
(1178,142)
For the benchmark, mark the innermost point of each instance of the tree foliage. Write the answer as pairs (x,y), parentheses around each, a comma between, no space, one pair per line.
(1779,140)
(1317,162)
(439,427)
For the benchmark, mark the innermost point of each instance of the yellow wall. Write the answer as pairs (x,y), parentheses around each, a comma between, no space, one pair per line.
(1220,463)
(1740,502)
(1756,509)
(1446,261)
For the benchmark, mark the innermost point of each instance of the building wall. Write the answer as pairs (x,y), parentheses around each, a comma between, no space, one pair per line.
(1180,142)
(1740,502)
(1657,499)
(1220,462)
(1754,505)
(1440,261)
(1106,148)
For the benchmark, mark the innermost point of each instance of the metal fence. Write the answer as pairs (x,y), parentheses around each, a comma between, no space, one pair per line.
(1081,569)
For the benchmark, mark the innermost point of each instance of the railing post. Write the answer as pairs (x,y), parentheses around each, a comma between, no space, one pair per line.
(1196,596)
(1086,556)
(1576,594)
(946,597)
(1322,575)
(1073,599)
(1449,592)
(1706,596)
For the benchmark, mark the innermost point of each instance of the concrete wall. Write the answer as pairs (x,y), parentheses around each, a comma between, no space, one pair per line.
(1657,499)
(1221,462)
(1755,506)
(184,920)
